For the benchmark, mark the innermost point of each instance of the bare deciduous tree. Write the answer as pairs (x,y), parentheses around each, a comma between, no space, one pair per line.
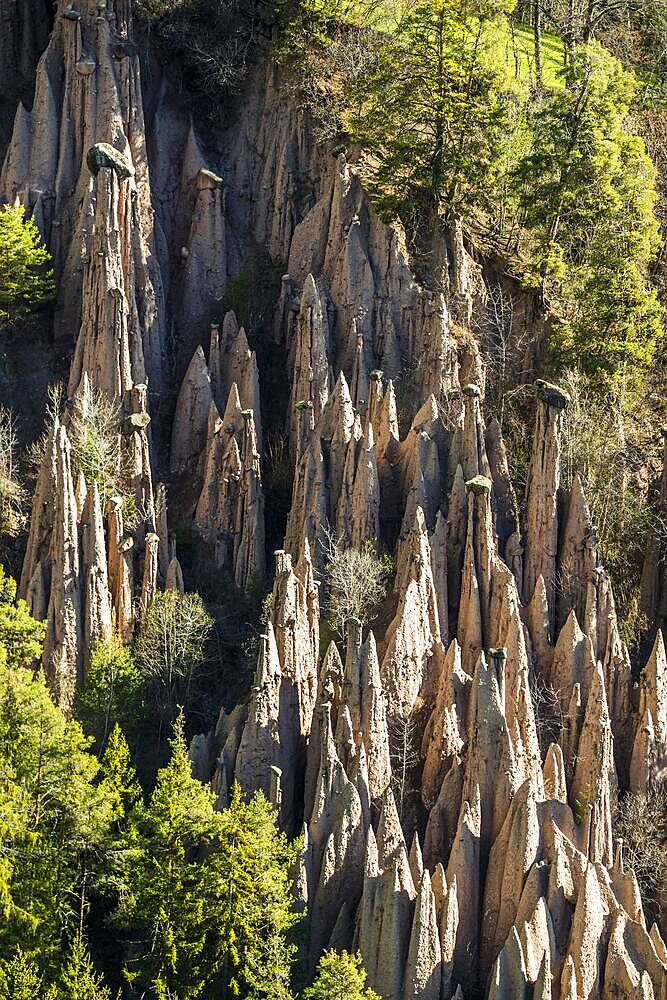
(170,648)
(641,820)
(94,434)
(405,758)
(504,351)
(548,711)
(356,581)
(12,494)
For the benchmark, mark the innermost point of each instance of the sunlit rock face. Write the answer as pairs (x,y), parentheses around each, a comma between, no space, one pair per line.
(444,838)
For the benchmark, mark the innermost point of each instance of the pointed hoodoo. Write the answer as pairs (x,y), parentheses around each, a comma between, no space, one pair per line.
(463,870)
(137,445)
(473,617)
(541,539)
(229,513)
(324,470)
(63,645)
(96,598)
(415,629)
(423,969)
(374,731)
(41,522)
(436,350)
(249,555)
(649,752)
(383,414)
(443,739)
(260,748)
(457,525)
(174,577)
(420,473)
(438,544)
(365,498)
(150,573)
(295,619)
(109,349)
(312,379)
(188,435)
(510,545)
(594,782)
(80,96)
(204,275)
(231,362)
(472,447)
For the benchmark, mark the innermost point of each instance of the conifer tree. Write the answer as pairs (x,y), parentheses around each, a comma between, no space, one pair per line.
(433,108)
(20,635)
(78,980)
(119,785)
(25,280)
(19,978)
(51,812)
(587,191)
(340,977)
(208,894)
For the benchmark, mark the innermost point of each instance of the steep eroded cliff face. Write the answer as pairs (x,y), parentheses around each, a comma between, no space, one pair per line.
(503,877)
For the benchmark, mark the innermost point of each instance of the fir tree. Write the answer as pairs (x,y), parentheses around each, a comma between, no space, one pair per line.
(20,635)
(587,190)
(19,978)
(434,109)
(25,280)
(340,977)
(207,893)
(78,980)
(51,812)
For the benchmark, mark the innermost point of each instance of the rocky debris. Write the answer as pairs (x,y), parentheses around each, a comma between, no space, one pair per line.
(104,156)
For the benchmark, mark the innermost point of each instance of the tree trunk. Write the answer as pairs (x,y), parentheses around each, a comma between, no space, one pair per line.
(569,33)
(588,24)
(537,37)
